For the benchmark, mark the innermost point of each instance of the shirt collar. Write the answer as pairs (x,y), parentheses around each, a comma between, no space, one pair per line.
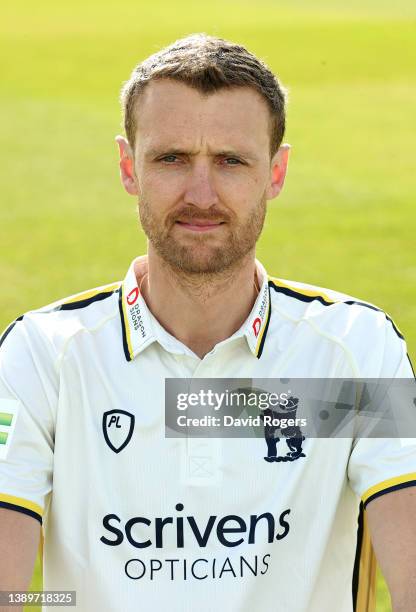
(140,328)
(256,325)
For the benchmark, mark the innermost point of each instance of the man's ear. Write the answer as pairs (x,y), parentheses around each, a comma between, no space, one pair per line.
(126,166)
(278,171)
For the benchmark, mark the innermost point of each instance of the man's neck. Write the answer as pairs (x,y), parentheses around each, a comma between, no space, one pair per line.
(202,310)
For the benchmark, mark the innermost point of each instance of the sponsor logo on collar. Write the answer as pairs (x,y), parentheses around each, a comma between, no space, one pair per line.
(259,322)
(137,330)
(132,296)
(256,326)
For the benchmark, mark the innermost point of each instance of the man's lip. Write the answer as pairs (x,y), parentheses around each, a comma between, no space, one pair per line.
(200,225)
(199,222)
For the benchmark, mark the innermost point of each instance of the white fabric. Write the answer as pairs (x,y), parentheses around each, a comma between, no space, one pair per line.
(67,367)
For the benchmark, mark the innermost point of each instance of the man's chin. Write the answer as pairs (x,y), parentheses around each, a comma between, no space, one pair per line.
(198,260)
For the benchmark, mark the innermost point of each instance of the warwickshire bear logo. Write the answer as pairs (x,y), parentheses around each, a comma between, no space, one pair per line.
(118,428)
(292,434)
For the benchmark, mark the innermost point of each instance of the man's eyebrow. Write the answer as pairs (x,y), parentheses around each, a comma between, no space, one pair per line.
(237,153)
(157,151)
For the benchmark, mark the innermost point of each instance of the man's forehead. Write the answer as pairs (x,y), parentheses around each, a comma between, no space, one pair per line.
(172,114)
(165,90)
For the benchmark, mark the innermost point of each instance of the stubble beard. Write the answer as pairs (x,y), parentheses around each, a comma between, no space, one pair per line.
(197,256)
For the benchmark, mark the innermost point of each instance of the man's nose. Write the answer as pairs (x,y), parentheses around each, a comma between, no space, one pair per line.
(200,188)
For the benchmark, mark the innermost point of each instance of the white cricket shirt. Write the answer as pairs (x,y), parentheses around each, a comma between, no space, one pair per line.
(134,521)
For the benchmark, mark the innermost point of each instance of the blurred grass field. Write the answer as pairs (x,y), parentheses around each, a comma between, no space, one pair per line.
(346,218)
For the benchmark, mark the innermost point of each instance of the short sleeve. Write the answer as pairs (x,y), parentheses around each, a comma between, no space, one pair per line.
(27,397)
(380,465)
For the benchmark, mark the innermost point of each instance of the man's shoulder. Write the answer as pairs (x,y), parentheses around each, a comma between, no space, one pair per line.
(86,306)
(327,309)
(54,323)
(306,293)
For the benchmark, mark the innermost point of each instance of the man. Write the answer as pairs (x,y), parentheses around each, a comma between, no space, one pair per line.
(137,521)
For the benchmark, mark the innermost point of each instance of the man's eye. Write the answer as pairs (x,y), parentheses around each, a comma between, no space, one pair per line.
(232,161)
(169,158)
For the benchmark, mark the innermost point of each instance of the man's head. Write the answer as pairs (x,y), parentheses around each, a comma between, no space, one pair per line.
(204,121)
(208,65)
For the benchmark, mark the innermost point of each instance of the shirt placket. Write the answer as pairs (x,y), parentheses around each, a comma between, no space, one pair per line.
(201,464)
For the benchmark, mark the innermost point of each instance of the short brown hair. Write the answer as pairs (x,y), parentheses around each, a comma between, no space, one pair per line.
(207,64)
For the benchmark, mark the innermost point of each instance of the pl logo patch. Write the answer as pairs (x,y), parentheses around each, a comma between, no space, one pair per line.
(118,426)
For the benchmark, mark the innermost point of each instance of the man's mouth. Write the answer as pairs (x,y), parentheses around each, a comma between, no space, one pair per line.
(200,225)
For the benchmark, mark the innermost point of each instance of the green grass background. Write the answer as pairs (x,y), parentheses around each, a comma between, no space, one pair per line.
(346,218)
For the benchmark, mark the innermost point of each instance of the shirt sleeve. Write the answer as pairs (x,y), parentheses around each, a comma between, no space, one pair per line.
(27,397)
(380,465)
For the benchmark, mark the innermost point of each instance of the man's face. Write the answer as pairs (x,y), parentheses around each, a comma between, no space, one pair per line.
(203,173)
